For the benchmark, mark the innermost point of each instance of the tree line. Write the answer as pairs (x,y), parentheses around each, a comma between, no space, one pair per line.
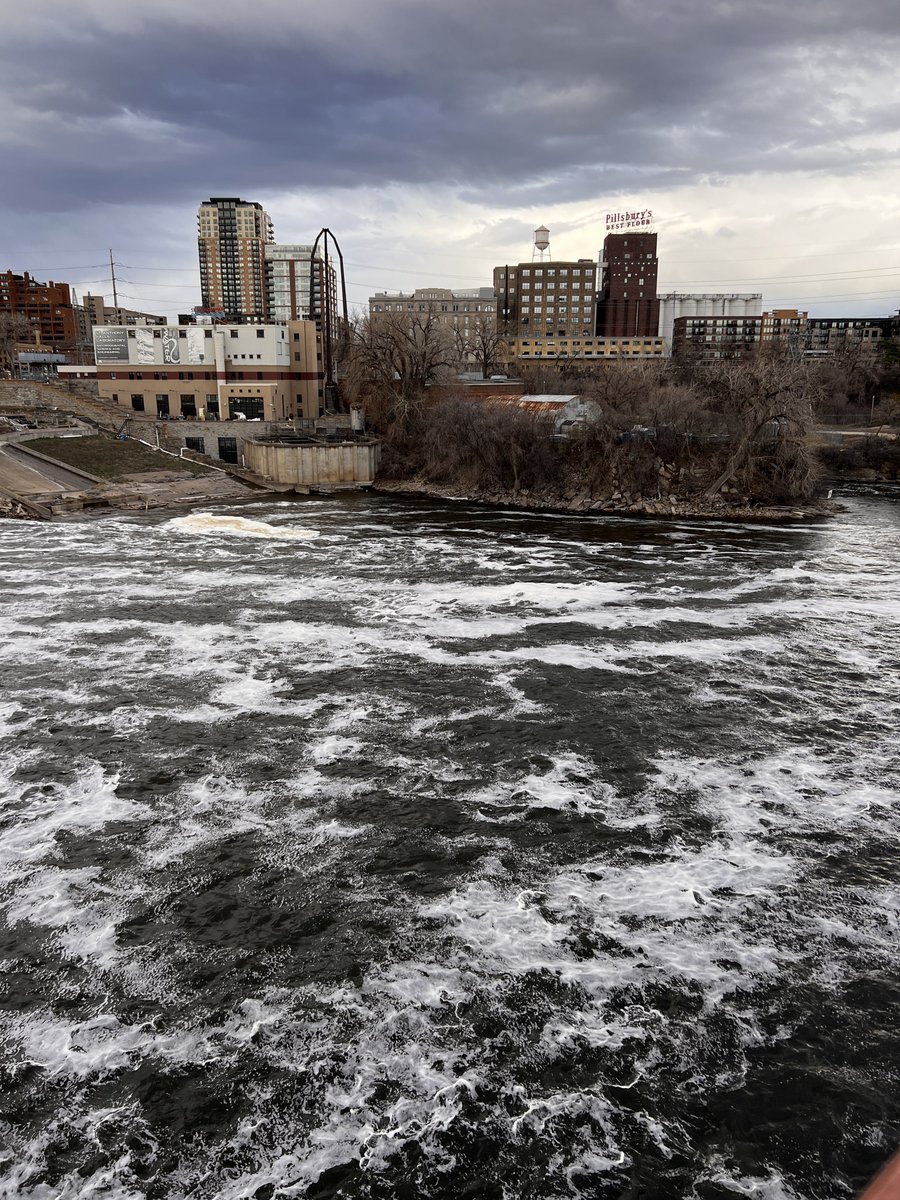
(740,429)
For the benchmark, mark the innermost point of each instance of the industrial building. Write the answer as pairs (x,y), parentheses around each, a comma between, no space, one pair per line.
(673,305)
(627,304)
(546,299)
(452,308)
(590,348)
(212,372)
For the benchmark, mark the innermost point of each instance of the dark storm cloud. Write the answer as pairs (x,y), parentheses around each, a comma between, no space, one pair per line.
(499,99)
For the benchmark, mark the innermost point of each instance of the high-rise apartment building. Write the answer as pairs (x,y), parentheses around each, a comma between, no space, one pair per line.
(294,283)
(232,236)
(627,305)
(546,299)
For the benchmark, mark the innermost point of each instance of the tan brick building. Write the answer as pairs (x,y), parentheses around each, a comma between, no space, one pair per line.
(212,372)
(592,349)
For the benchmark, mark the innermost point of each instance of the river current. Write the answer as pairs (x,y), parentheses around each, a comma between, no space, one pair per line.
(385,849)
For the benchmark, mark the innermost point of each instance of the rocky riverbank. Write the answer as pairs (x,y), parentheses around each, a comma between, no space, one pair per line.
(13,510)
(699,507)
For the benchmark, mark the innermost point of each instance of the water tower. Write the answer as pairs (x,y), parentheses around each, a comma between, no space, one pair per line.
(541,242)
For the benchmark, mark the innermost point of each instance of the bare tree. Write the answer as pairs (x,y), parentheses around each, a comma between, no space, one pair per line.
(14,328)
(766,407)
(392,358)
(488,444)
(850,380)
(482,343)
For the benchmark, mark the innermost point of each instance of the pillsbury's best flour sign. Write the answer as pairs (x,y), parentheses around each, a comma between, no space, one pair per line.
(639,219)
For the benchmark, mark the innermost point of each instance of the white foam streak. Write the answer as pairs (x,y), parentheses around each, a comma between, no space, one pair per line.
(210,523)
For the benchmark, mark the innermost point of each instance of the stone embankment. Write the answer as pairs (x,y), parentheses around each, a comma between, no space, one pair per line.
(718,508)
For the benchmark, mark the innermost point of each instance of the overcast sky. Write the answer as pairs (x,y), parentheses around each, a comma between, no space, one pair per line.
(432,136)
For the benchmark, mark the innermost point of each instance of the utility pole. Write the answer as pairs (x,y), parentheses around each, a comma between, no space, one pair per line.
(112,271)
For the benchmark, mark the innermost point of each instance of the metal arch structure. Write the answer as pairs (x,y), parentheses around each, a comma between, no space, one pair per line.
(329,318)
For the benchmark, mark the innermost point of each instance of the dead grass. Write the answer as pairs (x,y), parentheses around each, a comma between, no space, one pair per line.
(110,458)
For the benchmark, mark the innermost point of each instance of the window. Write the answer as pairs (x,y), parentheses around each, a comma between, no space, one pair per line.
(228,449)
(137,403)
(194,443)
(250,406)
(115,397)
(233,333)
(162,404)
(188,405)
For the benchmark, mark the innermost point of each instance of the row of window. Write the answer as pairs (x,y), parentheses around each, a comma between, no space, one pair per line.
(551,353)
(183,375)
(619,342)
(548,283)
(252,407)
(488,308)
(576,309)
(560,272)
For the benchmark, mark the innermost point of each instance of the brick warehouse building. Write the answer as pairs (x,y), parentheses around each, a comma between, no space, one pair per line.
(546,299)
(48,306)
(627,304)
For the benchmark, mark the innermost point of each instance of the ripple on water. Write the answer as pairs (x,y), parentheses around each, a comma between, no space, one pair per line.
(447,853)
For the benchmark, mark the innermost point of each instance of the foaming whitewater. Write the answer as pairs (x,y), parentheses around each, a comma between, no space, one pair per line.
(450,853)
(241,526)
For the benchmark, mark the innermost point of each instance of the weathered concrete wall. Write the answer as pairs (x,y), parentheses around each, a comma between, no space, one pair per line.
(320,465)
(174,434)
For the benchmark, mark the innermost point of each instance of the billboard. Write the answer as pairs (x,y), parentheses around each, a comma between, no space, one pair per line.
(143,341)
(171,347)
(110,344)
(641,218)
(196,344)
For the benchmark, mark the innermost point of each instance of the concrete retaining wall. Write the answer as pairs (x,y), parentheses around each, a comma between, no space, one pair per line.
(329,465)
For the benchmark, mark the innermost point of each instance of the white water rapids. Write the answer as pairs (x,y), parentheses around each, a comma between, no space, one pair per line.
(363,848)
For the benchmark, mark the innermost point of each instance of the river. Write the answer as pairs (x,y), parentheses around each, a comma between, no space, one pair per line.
(379,848)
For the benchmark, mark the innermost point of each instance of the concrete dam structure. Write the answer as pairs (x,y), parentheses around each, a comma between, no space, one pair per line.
(316,465)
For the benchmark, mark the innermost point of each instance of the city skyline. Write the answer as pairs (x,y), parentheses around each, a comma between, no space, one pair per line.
(765,143)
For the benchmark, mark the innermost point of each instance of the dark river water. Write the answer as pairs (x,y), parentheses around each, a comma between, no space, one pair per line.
(388,849)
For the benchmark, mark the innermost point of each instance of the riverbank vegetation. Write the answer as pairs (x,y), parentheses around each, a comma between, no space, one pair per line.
(739,432)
